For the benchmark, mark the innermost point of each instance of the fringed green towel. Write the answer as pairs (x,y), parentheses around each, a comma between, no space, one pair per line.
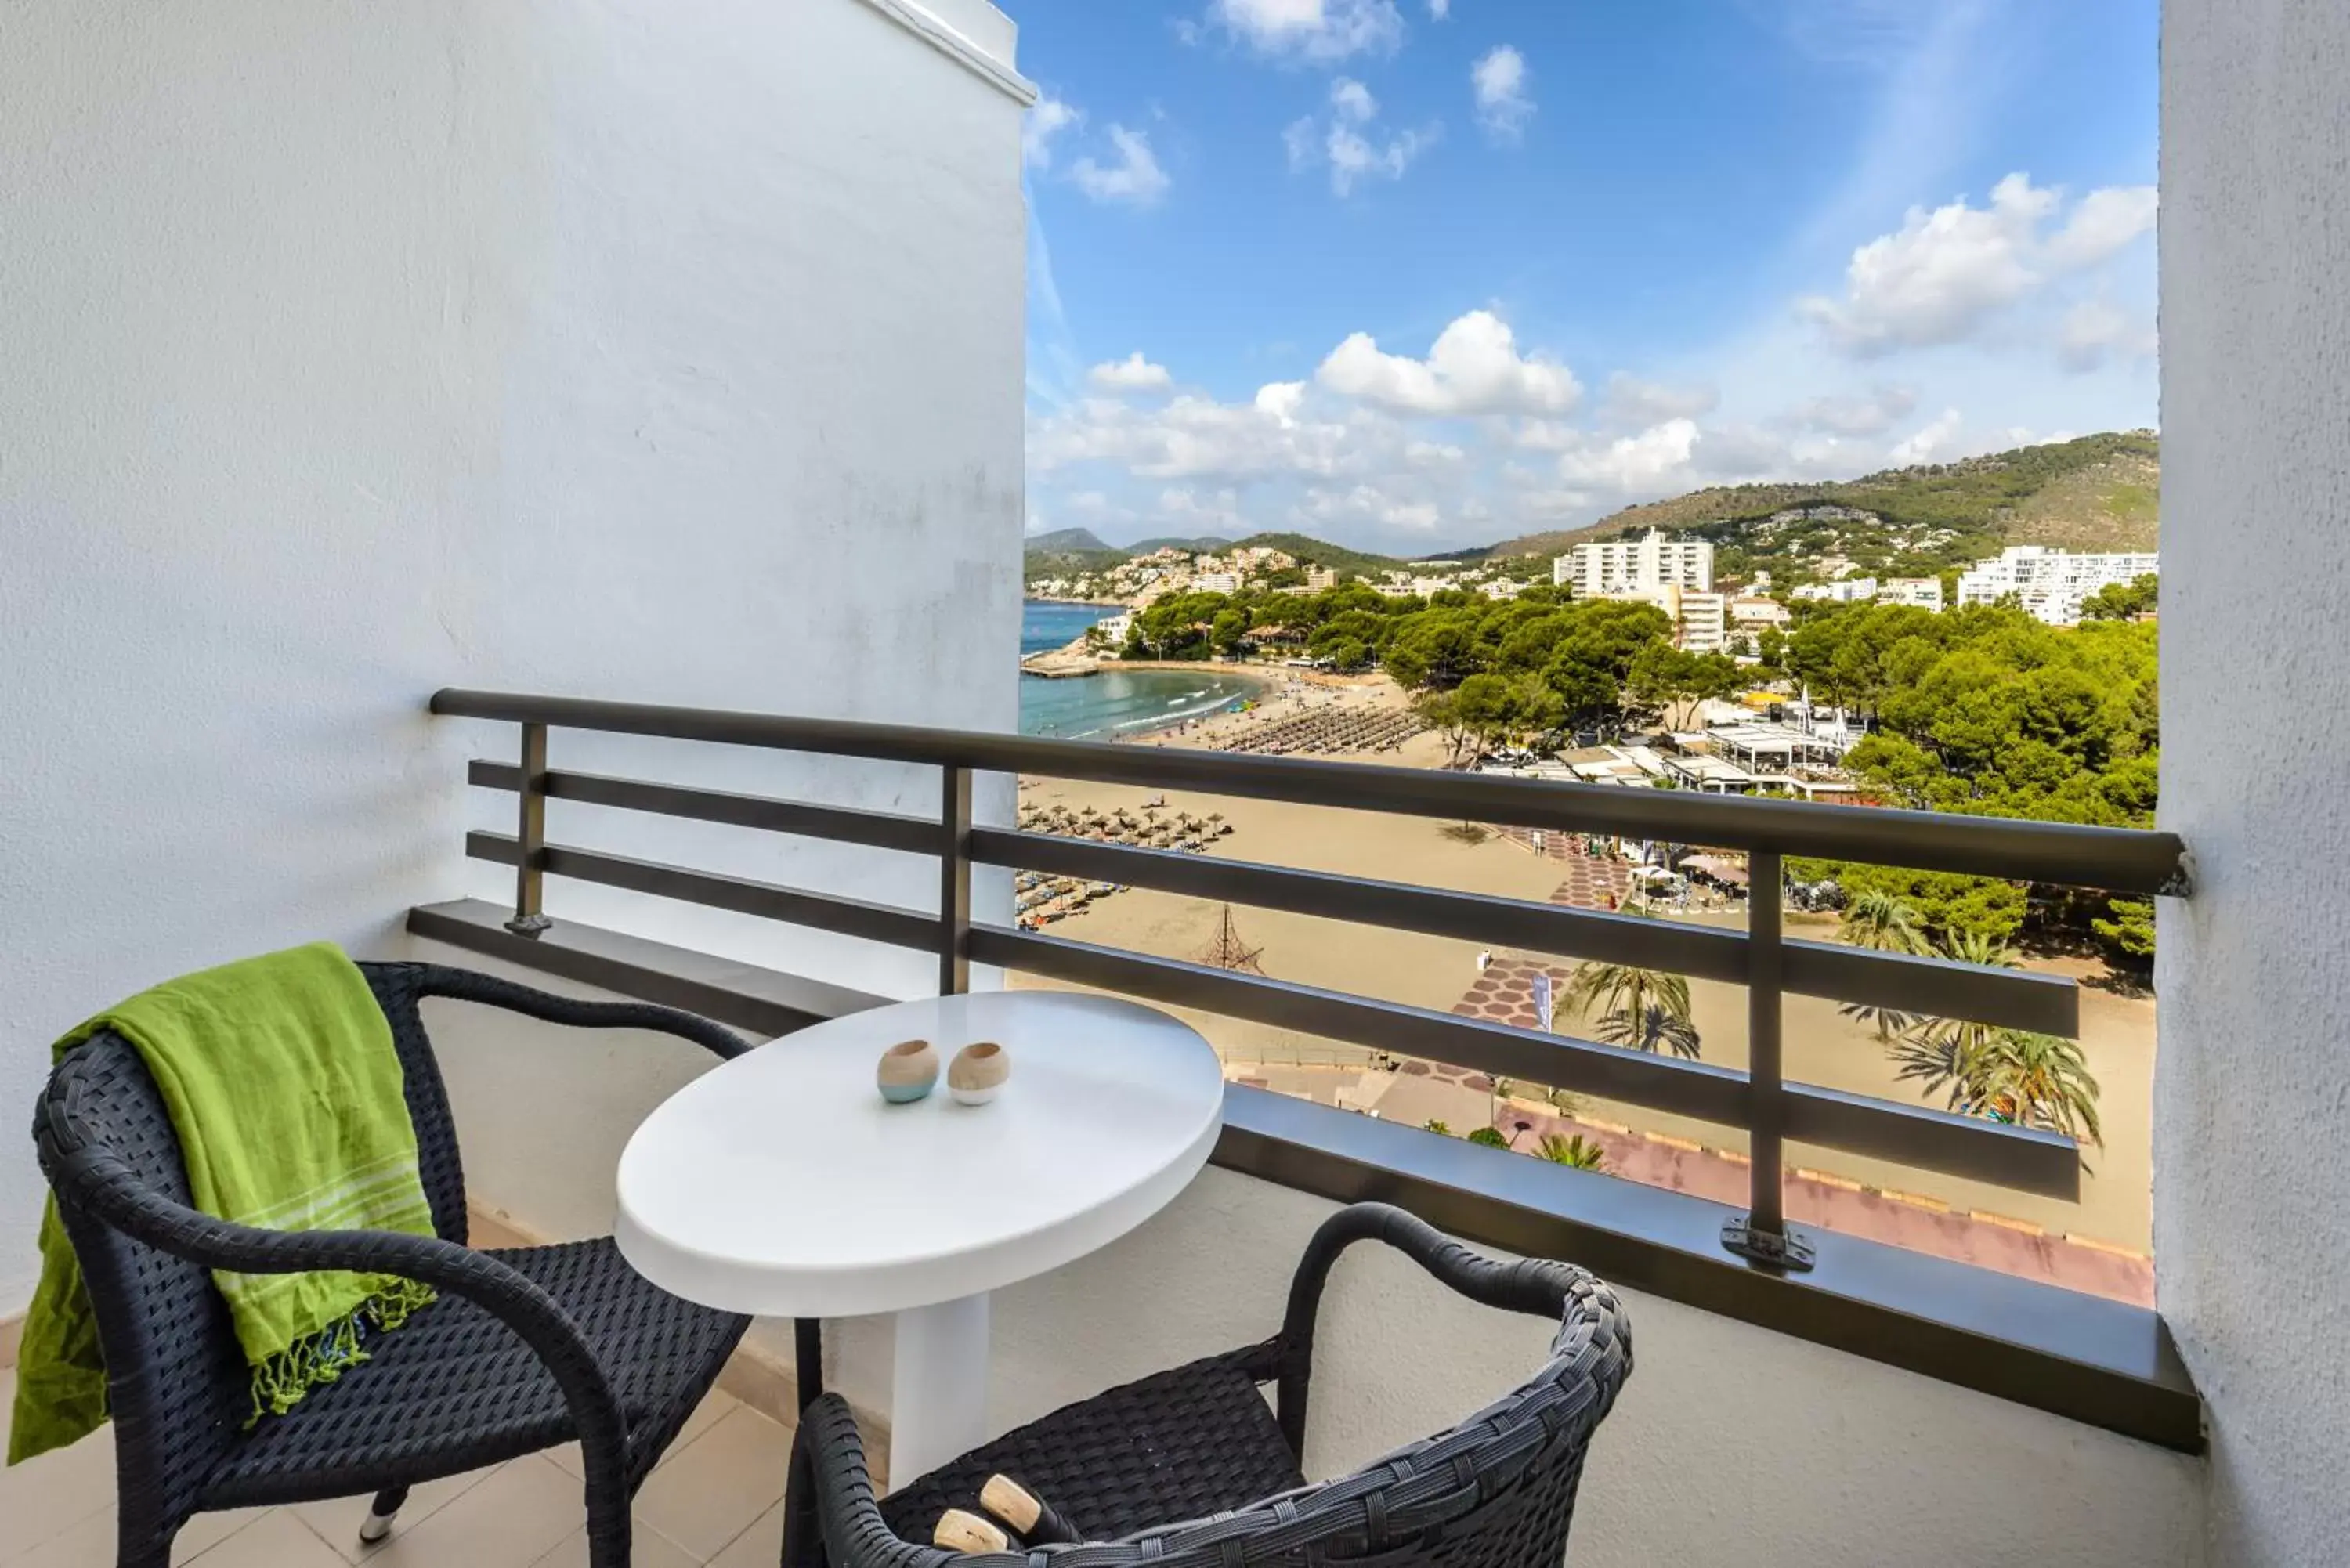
(284,1087)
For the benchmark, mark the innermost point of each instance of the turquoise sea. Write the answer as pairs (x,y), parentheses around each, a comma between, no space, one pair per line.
(1116,702)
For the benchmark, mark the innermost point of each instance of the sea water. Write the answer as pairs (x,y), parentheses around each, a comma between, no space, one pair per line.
(1117,702)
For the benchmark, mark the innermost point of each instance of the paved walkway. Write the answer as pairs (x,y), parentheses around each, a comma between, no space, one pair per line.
(1503,994)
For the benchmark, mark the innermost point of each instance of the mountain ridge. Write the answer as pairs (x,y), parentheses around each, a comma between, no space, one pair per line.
(2095,492)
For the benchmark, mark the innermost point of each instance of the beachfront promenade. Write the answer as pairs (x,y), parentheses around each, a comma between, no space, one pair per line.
(2096,1244)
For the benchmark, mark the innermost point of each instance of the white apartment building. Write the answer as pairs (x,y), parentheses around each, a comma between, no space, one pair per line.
(2050,584)
(1753,614)
(1652,561)
(1700,619)
(1217,583)
(1851,590)
(1923,593)
(1320,577)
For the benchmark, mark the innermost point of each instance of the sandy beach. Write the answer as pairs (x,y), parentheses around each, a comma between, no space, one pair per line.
(1822,1047)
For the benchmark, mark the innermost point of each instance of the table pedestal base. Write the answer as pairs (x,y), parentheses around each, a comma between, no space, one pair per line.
(938,1387)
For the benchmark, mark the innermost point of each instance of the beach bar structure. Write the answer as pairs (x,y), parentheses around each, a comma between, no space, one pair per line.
(539,488)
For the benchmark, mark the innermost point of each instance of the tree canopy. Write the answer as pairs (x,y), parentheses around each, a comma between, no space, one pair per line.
(1984,710)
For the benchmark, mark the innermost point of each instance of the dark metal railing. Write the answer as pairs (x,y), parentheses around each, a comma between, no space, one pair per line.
(1762,958)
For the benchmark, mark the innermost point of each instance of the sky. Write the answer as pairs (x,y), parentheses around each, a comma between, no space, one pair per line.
(1416,275)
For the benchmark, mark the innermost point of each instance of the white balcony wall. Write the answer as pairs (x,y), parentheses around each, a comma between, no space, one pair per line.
(1733,1447)
(2251,1232)
(631,350)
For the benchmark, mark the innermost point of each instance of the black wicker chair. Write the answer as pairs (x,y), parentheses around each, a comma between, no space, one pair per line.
(1189,1468)
(526,1348)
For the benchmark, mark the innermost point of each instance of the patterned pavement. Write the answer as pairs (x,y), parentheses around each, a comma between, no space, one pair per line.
(1504,993)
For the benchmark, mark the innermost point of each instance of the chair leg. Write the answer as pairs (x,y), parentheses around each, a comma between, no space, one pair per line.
(807,1354)
(378,1523)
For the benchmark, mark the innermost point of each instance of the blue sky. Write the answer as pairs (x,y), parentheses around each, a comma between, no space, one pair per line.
(1417,274)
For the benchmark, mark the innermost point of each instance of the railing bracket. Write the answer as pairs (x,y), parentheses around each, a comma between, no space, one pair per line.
(532,926)
(1782,1249)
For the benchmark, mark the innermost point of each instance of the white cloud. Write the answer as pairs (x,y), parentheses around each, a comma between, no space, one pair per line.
(1473,368)
(1354,157)
(1646,461)
(1879,411)
(1438,10)
(1353,152)
(1922,446)
(1503,105)
(1135,178)
(1190,437)
(1633,401)
(1372,504)
(1936,280)
(1280,400)
(1315,31)
(1132,374)
(1947,274)
(2095,330)
(1048,117)
(2104,223)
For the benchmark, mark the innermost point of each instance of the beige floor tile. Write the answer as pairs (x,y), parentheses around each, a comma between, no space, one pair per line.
(647,1549)
(43,1499)
(206,1530)
(517,1516)
(719,1483)
(713,1408)
(760,1546)
(337,1519)
(277,1540)
(89,1545)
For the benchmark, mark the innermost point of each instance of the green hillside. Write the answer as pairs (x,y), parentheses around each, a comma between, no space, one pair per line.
(2099,492)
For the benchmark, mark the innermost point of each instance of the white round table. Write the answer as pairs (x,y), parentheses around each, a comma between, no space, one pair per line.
(781,1184)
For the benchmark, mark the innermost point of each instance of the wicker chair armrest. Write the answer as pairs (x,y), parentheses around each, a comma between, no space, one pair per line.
(1537,1286)
(470,985)
(101,1186)
(831,1513)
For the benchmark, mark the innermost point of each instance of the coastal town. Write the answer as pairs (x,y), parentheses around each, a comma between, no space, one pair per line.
(1640,662)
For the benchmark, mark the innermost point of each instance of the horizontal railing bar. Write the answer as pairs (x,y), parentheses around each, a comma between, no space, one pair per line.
(768,900)
(2033,1162)
(2045,1164)
(1924,987)
(879,829)
(1697,950)
(1557,1061)
(2117,859)
(1934,987)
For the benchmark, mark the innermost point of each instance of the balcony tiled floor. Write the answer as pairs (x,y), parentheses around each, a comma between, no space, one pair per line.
(716,1499)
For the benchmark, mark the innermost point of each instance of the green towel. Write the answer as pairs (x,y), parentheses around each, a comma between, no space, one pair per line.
(284,1087)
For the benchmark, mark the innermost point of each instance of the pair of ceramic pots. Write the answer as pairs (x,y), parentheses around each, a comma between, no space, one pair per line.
(909,1071)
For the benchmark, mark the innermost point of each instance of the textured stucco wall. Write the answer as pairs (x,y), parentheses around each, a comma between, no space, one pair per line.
(625,349)
(2252,1104)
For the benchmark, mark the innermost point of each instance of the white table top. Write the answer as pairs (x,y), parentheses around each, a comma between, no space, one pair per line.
(782,1184)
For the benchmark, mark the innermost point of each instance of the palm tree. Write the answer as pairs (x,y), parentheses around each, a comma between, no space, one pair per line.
(1659,1026)
(2040,1081)
(1943,1053)
(1645,1009)
(1578,1151)
(1882,923)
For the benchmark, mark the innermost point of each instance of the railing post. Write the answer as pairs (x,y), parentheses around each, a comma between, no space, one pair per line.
(954,881)
(530,837)
(1762,1233)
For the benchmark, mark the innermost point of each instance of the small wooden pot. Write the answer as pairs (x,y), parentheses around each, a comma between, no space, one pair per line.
(978,1072)
(908,1071)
